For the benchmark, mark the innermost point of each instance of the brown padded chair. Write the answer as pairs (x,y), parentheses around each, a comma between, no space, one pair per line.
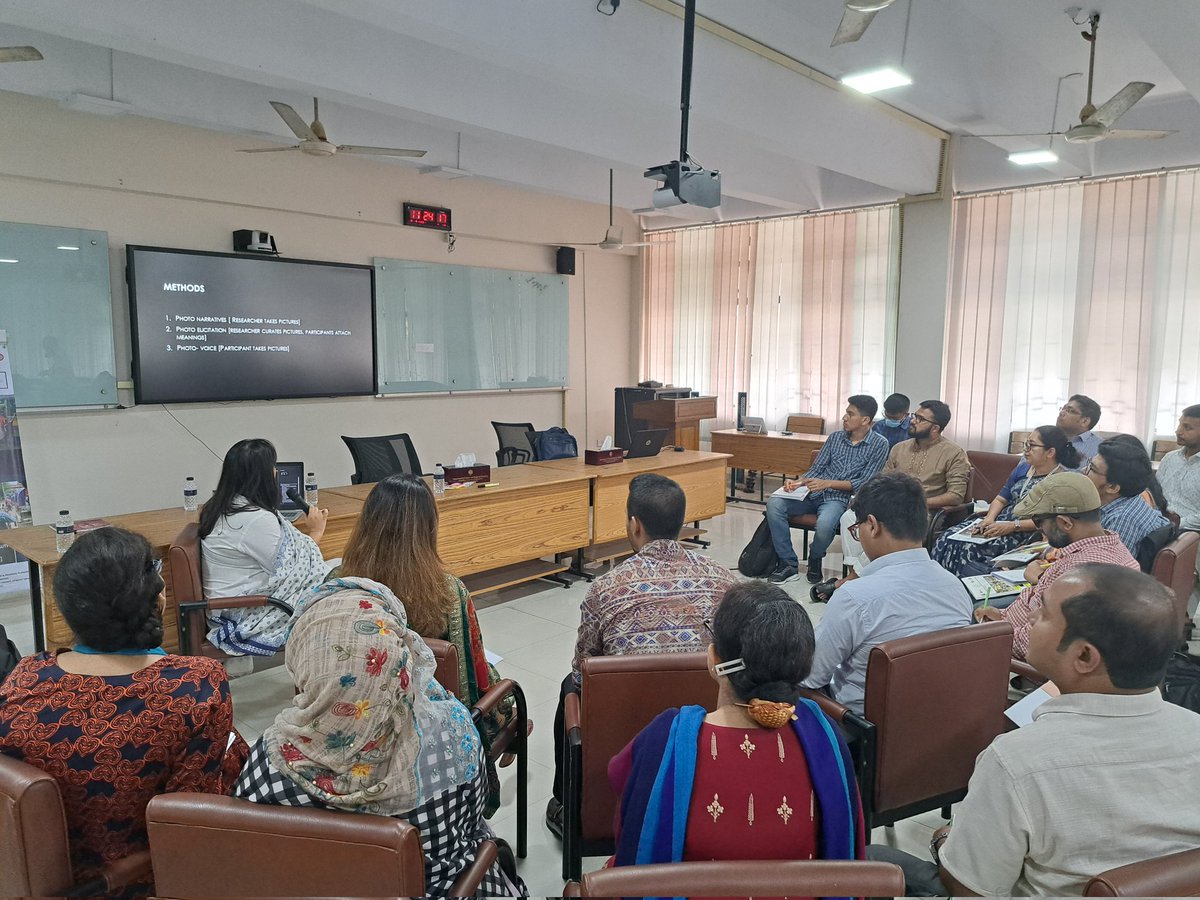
(1177,875)
(35,858)
(513,739)
(740,878)
(1175,567)
(620,696)
(933,703)
(991,471)
(281,851)
(805,423)
(947,517)
(187,587)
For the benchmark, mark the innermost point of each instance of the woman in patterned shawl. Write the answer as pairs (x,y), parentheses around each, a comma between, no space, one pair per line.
(371,731)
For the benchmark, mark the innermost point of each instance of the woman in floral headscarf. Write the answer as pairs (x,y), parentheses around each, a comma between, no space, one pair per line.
(370,730)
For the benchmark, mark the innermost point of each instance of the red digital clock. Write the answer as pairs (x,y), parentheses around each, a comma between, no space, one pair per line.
(421,216)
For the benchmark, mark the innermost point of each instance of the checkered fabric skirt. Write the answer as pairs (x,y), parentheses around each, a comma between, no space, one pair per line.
(451,824)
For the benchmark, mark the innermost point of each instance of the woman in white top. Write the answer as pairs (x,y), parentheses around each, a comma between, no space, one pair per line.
(246,547)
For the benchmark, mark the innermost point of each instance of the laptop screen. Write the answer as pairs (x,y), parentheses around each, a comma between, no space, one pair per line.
(289,475)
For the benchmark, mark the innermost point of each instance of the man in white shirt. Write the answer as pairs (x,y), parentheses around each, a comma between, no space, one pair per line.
(1105,774)
(1179,475)
(901,592)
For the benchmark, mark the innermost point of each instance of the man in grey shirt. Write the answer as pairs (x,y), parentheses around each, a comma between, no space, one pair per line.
(901,592)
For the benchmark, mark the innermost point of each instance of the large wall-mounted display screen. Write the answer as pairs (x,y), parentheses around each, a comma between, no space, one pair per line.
(223,326)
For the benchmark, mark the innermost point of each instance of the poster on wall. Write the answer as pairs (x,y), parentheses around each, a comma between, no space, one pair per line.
(14,497)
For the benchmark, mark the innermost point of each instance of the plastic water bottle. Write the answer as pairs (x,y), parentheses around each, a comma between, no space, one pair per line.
(64,531)
(310,489)
(439,480)
(189,494)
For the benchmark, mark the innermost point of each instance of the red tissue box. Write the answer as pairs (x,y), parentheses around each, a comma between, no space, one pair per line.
(603,457)
(468,474)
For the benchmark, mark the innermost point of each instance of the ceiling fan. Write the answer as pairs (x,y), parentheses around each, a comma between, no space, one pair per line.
(19,54)
(613,237)
(1096,122)
(314,141)
(857,19)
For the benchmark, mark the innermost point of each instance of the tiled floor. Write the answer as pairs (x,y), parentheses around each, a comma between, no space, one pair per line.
(533,628)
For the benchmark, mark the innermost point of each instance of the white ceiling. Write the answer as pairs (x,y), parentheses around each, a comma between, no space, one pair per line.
(548,94)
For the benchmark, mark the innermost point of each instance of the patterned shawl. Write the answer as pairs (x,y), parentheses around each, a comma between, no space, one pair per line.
(371,730)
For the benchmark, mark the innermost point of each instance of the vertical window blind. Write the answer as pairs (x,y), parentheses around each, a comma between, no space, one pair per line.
(1077,288)
(799,312)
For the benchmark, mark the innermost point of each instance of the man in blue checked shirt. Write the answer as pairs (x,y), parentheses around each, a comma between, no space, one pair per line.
(847,460)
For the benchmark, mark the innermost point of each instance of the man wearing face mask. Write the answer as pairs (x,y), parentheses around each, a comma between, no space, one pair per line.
(896,420)
(1065,507)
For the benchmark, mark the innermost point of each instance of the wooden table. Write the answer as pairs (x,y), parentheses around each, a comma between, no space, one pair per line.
(160,527)
(495,537)
(700,474)
(770,452)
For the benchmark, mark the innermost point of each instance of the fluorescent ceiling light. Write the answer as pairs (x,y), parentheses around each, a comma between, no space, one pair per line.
(65,247)
(877,80)
(1033,157)
(9,260)
(449,173)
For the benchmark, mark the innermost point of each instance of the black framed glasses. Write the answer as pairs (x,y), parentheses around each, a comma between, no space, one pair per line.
(923,419)
(1028,445)
(853,529)
(708,627)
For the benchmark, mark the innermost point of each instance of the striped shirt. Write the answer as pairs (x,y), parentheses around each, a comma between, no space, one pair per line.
(654,602)
(841,459)
(1107,548)
(1132,519)
(1179,476)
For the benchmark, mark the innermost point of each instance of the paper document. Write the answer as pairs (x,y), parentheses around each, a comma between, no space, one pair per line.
(963,533)
(1022,555)
(798,494)
(1012,576)
(1021,712)
(493,658)
(989,587)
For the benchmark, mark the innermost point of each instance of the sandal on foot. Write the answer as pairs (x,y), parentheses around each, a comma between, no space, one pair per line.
(820,593)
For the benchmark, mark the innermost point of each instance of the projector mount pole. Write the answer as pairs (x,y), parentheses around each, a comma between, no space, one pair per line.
(685,100)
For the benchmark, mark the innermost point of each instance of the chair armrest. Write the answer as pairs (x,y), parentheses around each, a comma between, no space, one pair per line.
(468,882)
(237,602)
(572,715)
(495,695)
(116,875)
(1025,670)
(831,707)
(572,889)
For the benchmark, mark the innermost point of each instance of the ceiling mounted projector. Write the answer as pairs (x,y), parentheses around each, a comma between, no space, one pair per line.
(685,183)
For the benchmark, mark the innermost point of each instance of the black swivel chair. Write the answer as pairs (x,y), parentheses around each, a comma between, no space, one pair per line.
(515,447)
(375,458)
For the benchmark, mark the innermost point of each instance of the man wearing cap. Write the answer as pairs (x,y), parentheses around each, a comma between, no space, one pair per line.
(1065,507)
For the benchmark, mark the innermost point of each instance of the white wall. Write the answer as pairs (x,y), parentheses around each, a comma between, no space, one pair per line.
(148,182)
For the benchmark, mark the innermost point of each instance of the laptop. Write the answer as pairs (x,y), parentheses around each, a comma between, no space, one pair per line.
(754,425)
(290,475)
(646,443)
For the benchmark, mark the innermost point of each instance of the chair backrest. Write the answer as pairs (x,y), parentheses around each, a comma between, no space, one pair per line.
(203,845)
(1177,875)
(991,471)
(375,458)
(446,668)
(741,878)
(183,558)
(620,696)
(1175,567)
(513,436)
(805,423)
(1162,447)
(1016,439)
(35,858)
(936,701)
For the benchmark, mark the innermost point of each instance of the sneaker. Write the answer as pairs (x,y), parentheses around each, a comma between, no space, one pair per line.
(783,574)
(554,817)
(815,575)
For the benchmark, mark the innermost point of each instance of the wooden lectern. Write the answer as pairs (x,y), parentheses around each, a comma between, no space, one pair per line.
(682,417)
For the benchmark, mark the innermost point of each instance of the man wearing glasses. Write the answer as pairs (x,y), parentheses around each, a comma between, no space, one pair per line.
(900,593)
(1121,470)
(1065,507)
(1077,418)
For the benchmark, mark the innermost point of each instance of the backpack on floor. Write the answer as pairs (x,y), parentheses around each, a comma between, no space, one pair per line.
(1181,685)
(758,557)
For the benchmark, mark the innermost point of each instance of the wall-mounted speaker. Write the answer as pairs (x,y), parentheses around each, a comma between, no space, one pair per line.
(564,261)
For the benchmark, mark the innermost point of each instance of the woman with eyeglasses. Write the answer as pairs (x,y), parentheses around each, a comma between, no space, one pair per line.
(765,775)
(116,720)
(1047,450)
(247,547)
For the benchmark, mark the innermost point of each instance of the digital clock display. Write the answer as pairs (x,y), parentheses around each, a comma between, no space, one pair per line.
(422,216)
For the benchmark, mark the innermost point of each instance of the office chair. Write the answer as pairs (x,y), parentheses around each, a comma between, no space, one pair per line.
(515,447)
(375,458)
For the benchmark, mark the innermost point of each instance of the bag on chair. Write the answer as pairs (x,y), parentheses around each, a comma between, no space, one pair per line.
(758,557)
(555,443)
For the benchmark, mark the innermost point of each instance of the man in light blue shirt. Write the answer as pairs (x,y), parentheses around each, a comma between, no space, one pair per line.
(900,593)
(896,420)
(1077,418)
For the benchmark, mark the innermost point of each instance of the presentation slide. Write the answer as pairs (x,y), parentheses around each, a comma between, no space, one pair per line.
(213,327)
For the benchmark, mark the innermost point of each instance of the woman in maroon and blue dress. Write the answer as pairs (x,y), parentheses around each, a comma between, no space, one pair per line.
(117,720)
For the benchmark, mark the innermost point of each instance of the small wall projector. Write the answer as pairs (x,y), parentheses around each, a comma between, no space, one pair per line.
(685,182)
